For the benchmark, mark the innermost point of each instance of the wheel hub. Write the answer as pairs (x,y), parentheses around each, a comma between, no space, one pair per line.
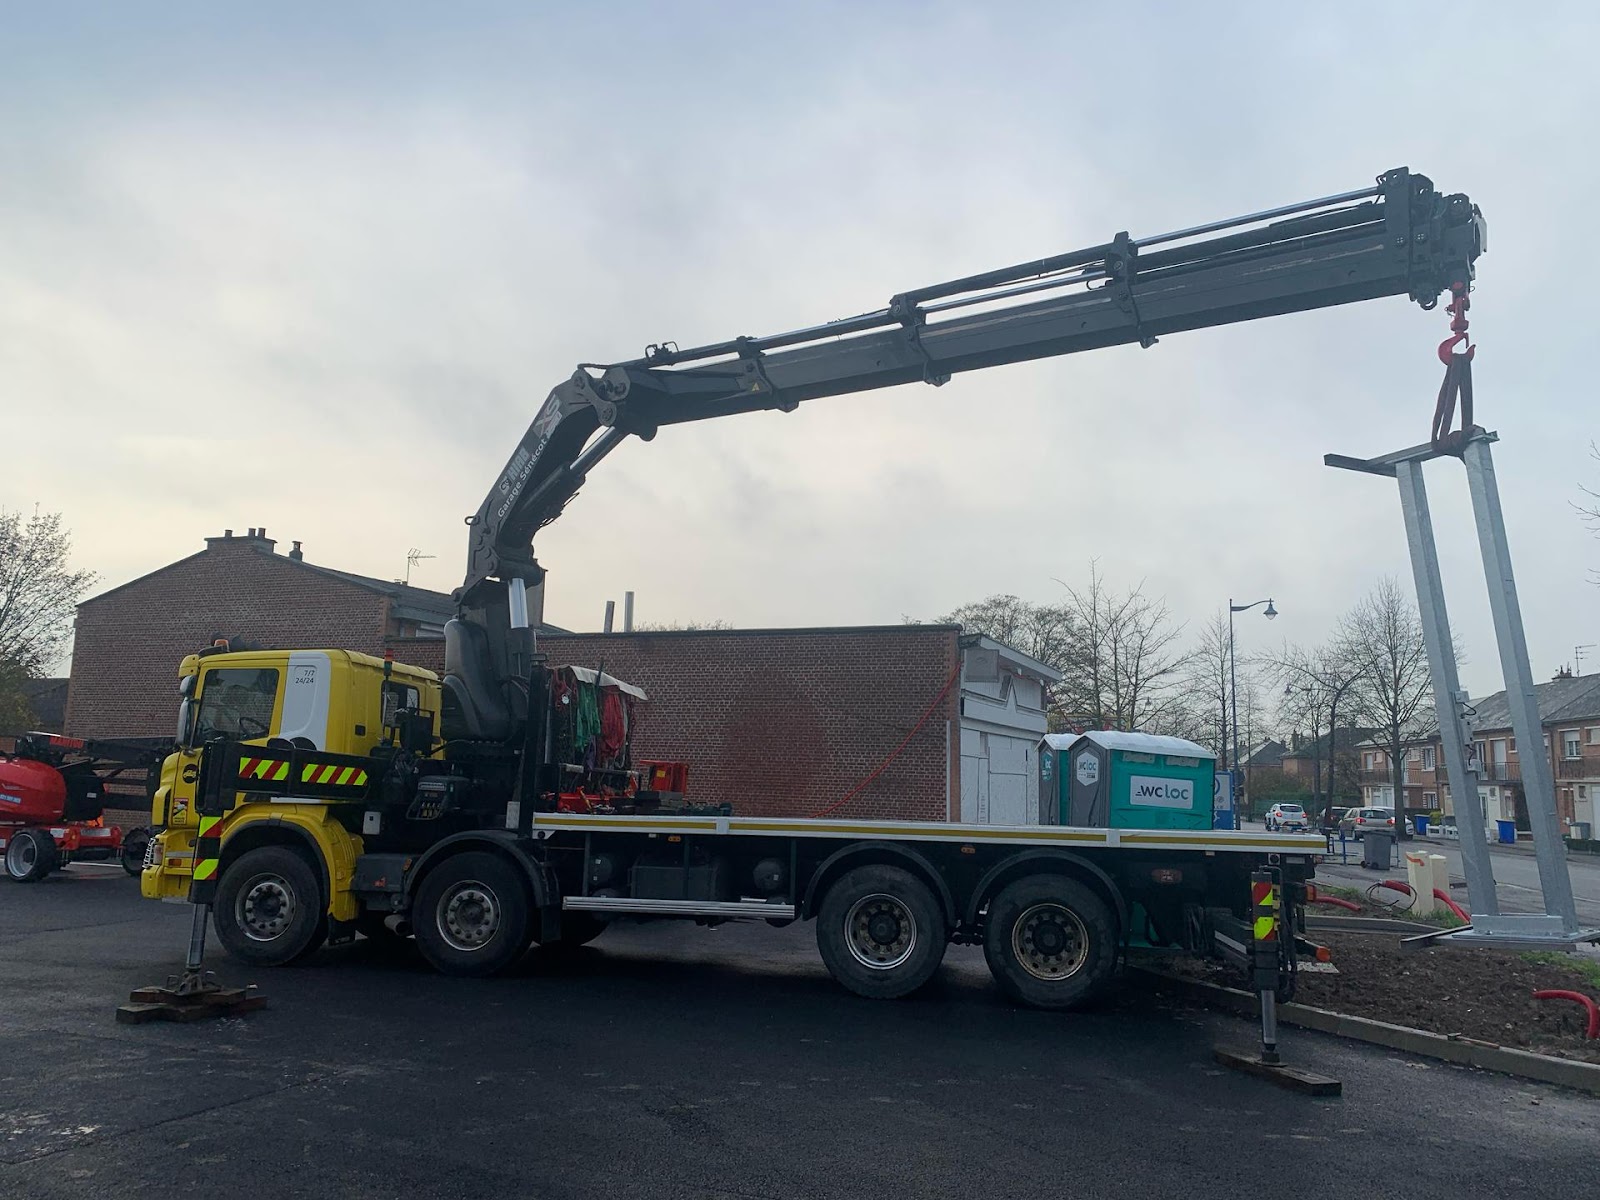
(469,916)
(1050,942)
(266,908)
(880,932)
(22,854)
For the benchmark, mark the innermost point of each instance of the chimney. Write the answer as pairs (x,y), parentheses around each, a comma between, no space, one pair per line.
(295,555)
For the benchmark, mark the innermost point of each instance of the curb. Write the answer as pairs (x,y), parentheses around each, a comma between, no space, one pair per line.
(1467,1052)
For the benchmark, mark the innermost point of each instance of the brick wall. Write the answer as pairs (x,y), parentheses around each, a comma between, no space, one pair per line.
(785,722)
(128,642)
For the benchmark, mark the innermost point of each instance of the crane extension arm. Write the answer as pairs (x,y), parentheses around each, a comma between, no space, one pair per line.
(1401,237)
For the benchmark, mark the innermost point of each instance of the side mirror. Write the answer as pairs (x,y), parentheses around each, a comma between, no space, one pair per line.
(186,710)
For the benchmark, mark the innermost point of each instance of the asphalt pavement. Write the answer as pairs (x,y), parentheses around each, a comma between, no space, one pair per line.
(675,1061)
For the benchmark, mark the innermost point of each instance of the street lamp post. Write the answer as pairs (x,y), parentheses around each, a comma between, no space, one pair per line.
(1233,672)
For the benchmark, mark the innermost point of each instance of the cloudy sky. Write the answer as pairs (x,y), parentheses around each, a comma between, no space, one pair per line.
(275,265)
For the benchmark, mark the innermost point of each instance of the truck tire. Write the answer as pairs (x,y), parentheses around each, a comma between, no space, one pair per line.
(134,843)
(269,909)
(1050,941)
(471,915)
(31,855)
(881,932)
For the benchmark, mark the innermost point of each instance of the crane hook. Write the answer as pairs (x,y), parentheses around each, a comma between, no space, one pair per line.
(1457,383)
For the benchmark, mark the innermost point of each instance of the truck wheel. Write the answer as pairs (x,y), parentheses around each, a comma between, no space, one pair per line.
(134,844)
(881,932)
(31,855)
(471,915)
(1050,941)
(269,909)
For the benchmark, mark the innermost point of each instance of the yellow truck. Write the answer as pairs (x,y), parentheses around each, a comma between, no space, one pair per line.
(318,793)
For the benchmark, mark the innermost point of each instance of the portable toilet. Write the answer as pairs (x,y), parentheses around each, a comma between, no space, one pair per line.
(1104,779)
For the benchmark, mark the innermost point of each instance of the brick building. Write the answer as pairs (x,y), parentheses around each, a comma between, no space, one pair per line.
(1569,712)
(788,722)
(129,641)
(778,721)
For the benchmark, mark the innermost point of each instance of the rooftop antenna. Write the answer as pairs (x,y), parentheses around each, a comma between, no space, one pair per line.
(1577,657)
(413,557)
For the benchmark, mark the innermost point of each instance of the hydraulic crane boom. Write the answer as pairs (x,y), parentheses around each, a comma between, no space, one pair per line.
(1399,237)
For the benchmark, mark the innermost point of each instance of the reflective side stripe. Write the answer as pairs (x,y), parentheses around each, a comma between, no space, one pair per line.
(344,776)
(205,870)
(361,779)
(281,771)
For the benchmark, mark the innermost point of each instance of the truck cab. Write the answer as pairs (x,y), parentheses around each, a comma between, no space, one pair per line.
(299,858)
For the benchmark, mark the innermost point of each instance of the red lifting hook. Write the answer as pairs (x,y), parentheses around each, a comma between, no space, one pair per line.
(1458,330)
(1457,383)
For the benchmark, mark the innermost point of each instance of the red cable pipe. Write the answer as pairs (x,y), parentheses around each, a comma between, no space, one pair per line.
(1442,898)
(1337,901)
(1589,1006)
(1396,885)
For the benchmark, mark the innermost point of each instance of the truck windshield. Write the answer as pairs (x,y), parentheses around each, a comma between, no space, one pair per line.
(236,702)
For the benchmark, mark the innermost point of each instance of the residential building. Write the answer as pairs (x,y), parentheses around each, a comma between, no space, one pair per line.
(1569,718)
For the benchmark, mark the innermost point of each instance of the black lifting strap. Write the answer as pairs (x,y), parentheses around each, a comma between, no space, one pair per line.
(1457,383)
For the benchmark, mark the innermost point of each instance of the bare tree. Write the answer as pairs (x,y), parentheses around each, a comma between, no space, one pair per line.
(1126,665)
(1381,638)
(1589,512)
(1316,682)
(1041,631)
(38,592)
(1118,653)
(1206,687)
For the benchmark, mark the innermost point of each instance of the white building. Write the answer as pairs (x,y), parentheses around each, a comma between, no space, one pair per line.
(1003,698)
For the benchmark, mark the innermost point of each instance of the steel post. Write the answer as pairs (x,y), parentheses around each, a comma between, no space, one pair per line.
(1447,694)
(1538,786)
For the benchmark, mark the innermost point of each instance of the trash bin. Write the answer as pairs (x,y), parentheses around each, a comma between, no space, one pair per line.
(1580,831)
(1377,850)
(1421,822)
(1508,832)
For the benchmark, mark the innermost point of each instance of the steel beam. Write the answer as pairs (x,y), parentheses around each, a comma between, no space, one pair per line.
(1448,698)
(1538,786)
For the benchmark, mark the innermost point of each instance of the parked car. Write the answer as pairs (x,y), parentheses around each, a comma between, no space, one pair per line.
(1362,820)
(1288,817)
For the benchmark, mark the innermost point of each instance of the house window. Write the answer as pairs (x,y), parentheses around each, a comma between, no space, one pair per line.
(1368,760)
(1414,757)
(1593,733)
(1430,800)
(1427,758)
(1570,746)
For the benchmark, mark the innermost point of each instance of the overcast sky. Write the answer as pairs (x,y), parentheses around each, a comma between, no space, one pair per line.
(316,270)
